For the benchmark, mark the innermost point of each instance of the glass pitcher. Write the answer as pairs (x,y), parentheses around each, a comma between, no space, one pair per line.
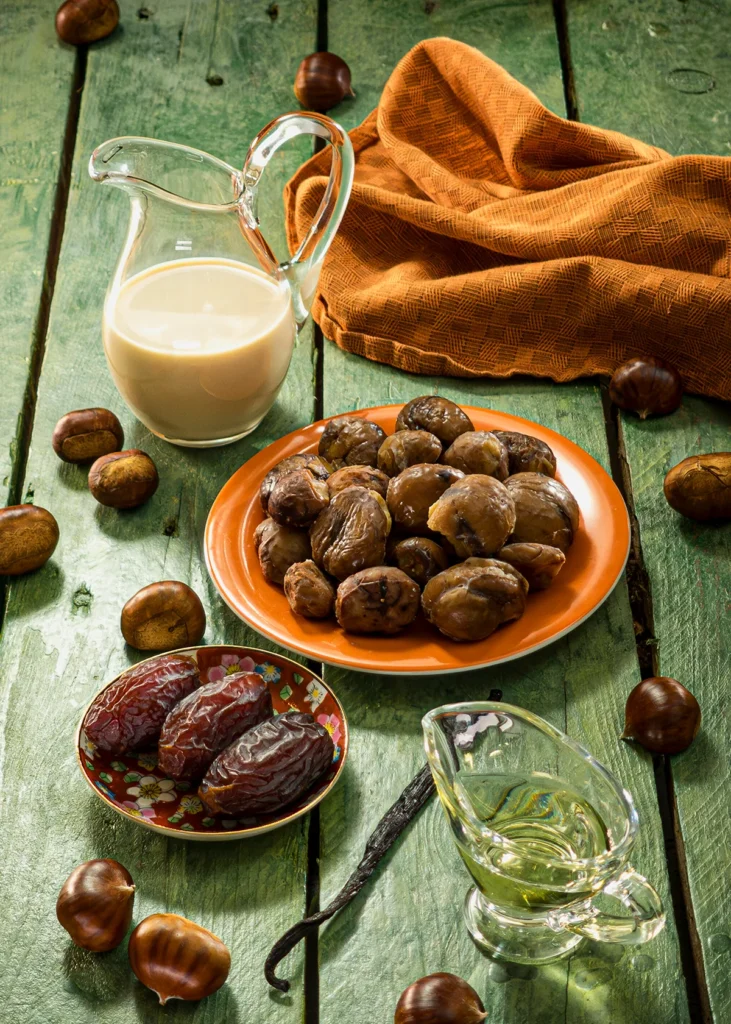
(543,829)
(200,319)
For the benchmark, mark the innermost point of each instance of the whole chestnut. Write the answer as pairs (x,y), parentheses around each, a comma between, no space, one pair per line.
(178,959)
(28,538)
(439,999)
(86,434)
(662,716)
(163,616)
(123,479)
(437,415)
(648,386)
(322,81)
(699,487)
(95,904)
(86,21)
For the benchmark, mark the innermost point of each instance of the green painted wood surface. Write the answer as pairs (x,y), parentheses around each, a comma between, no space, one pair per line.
(410,923)
(626,78)
(61,638)
(36,74)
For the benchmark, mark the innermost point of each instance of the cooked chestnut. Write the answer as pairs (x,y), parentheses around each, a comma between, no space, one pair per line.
(95,904)
(319,468)
(420,558)
(408,448)
(163,616)
(86,434)
(86,21)
(308,590)
(539,563)
(278,547)
(353,439)
(545,511)
(412,493)
(699,487)
(646,385)
(177,958)
(478,451)
(358,476)
(28,538)
(476,515)
(377,600)
(350,534)
(297,498)
(438,415)
(526,454)
(470,600)
(123,479)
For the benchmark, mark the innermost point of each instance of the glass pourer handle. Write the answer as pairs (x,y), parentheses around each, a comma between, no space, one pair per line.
(303,269)
(636,894)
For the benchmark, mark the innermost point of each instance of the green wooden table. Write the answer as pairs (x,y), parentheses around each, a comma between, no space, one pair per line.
(210,73)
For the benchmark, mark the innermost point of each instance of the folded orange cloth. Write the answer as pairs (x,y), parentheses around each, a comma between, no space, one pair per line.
(486,236)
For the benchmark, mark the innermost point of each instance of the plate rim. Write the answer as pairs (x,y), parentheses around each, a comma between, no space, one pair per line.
(197,836)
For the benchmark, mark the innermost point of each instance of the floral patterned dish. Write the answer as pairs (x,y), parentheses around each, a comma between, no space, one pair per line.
(132,786)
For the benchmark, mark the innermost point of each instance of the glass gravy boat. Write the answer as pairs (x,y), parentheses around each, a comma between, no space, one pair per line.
(543,829)
(200,319)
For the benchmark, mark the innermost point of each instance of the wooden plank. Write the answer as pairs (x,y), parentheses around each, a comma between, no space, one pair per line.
(36,75)
(408,923)
(626,61)
(61,639)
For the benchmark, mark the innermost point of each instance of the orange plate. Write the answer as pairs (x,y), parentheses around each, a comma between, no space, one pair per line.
(593,565)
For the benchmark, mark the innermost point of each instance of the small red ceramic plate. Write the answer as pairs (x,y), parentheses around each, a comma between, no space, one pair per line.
(593,565)
(132,786)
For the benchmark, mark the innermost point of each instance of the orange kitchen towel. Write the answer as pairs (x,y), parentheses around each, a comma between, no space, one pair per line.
(486,236)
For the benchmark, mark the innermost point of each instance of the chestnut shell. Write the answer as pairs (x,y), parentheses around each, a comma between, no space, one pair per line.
(646,385)
(699,487)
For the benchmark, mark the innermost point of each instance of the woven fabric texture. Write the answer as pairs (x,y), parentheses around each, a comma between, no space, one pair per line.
(486,236)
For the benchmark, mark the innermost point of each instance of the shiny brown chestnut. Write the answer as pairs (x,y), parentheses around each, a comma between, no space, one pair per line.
(95,904)
(646,385)
(699,487)
(28,538)
(439,999)
(84,435)
(178,959)
(123,479)
(322,81)
(86,21)
(662,716)
(162,617)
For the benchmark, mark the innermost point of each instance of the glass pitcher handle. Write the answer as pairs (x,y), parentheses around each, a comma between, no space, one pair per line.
(303,269)
(636,894)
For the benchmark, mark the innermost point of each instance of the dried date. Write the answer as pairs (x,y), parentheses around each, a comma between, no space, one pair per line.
(209,719)
(130,713)
(269,767)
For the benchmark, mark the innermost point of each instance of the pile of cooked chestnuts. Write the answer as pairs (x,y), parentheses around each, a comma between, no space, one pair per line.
(459,522)
(223,735)
(172,956)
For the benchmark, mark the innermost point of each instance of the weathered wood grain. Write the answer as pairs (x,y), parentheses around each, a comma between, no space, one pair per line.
(61,638)
(36,74)
(627,78)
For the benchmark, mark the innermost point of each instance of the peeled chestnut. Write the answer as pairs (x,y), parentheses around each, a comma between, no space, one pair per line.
(123,479)
(322,81)
(648,386)
(439,999)
(178,959)
(28,538)
(86,434)
(95,904)
(86,21)
(163,616)
(662,716)
(699,487)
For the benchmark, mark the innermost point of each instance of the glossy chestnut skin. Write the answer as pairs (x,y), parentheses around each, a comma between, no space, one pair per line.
(478,451)
(381,599)
(350,534)
(646,385)
(408,448)
(278,547)
(699,487)
(358,476)
(322,81)
(297,499)
(309,591)
(438,415)
(178,959)
(470,600)
(538,563)
(412,493)
(162,617)
(123,479)
(28,538)
(95,904)
(526,454)
(353,439)
(439,999)
(546,511)
(420,558)
(84,435)
(476,515)
(86,21)
(662,715)
(317,466)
